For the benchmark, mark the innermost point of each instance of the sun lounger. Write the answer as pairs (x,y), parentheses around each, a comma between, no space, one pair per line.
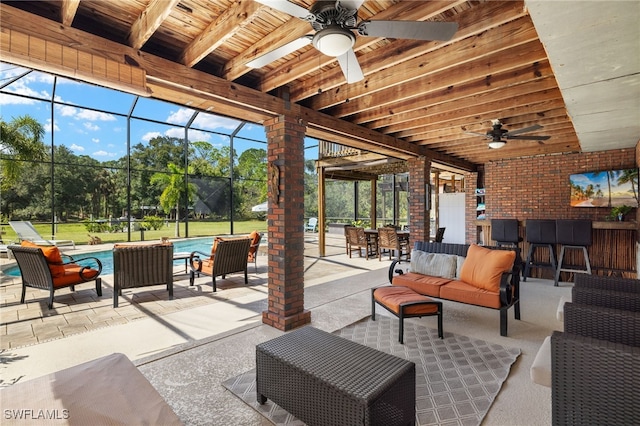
(26,231)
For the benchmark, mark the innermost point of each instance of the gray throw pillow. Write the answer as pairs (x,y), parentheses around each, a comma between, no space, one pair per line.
(433,264)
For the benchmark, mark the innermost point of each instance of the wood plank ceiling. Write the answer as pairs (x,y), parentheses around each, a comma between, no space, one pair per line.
(418,96)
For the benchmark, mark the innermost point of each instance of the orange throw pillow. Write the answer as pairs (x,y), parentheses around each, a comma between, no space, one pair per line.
(52,254)
(483,267)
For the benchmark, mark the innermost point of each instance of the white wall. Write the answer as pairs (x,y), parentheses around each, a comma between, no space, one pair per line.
(452,217)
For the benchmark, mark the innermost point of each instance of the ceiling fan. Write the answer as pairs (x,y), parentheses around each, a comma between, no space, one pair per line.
(334,22)
(497,134)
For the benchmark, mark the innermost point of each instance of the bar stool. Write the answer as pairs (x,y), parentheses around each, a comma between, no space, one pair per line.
(505,232)
(573,235)
(540,233)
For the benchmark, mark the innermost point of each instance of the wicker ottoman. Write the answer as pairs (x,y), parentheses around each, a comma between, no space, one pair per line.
(405,303)
(323,379)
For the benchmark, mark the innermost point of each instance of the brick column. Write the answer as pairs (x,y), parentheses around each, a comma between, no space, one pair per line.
(285,156)
(419,177)
(472,232)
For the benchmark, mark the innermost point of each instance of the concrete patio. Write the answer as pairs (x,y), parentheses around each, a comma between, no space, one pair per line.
(223,328)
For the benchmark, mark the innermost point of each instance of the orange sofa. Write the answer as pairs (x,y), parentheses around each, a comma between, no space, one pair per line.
(472,274)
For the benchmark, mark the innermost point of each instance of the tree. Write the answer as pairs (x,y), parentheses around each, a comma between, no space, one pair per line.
(630,176)
(21,140)
(251,179)
(174,191)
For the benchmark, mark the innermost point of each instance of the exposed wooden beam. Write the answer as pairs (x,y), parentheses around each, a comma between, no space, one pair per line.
(149,21)
(283,34)
(68,10)
(162,71)
(312,59)
(473,22)
(446,61)
(52,57)
(219,31)
(468,93)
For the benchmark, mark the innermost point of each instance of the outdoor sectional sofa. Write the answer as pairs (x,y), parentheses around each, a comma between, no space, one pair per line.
(472,274)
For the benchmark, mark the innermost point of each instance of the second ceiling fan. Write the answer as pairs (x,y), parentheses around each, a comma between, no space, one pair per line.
(334,22)
(497,134)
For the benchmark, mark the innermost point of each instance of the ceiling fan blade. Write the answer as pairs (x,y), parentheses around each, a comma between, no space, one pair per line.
(278,53)
(350,4)
(479,134)
(525,130)
(527,138)
(414,30)
(350,67)
(288,8)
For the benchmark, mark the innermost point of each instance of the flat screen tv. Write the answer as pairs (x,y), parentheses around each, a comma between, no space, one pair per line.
(607,188)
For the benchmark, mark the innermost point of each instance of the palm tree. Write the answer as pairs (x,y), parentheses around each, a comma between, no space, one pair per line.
(20,140)
(174,190)
(631,176)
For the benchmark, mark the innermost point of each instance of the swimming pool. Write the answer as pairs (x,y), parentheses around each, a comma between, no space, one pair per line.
(106,256)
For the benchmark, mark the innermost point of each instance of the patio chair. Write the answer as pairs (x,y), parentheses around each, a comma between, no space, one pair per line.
(255,237)
(43,268)
(591,363)
(357,239)
(439,235)
(388,240)
(26,232)
(231,255)
(142,265)
(311,225)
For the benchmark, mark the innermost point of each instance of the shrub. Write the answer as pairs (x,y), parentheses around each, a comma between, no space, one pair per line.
(152,222)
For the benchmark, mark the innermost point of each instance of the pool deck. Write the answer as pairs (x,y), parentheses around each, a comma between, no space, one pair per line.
(81,311)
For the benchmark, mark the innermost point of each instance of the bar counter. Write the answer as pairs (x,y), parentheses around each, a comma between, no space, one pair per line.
(613,251)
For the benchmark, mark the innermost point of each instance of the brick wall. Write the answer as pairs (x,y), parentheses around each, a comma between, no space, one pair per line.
(538,187)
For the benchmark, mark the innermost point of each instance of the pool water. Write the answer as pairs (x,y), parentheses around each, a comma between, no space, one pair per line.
(106,256)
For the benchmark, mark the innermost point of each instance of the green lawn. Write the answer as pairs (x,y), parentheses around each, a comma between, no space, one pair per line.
(78,233)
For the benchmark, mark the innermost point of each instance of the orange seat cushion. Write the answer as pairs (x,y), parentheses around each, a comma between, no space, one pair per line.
(467,293)
(53,256)
(71,275)
(393,297)
(423,284)
(483,267)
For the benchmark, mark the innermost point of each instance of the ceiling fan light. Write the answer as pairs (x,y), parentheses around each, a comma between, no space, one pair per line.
(496,144)
(334,41)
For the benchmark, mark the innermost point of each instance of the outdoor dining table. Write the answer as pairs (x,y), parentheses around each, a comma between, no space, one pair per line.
(374,233)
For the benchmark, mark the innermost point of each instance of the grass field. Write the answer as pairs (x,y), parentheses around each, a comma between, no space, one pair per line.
(78,233)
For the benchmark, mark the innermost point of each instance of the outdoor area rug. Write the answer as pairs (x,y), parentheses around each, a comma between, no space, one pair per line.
(457,378)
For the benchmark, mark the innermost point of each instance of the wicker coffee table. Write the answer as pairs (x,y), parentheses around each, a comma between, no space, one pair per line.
(323,379)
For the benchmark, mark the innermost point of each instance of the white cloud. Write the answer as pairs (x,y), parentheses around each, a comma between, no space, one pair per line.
(66,110)
(194,135)
(15,100)
(212,122)
(181,116)
(148,136)
(104,154)
(203,120)
(95,140)
(47,126)
(78,148)
(91,126)
(86,114)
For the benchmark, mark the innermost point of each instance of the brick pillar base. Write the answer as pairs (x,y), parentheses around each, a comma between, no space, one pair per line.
(285,156)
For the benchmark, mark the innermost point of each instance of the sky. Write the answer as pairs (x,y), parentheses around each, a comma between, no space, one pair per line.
(102,134)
